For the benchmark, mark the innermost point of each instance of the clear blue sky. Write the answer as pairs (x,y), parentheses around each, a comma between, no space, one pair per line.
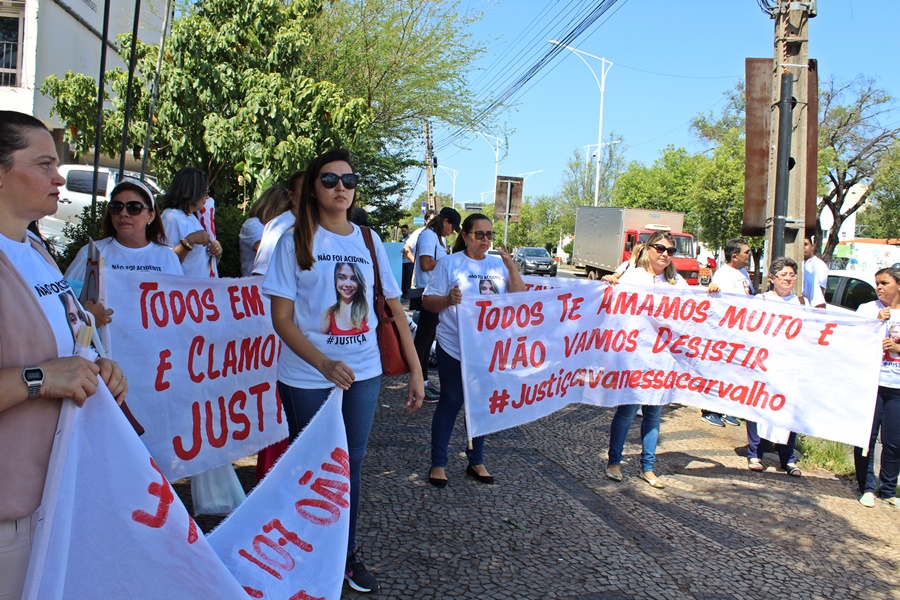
(697,50)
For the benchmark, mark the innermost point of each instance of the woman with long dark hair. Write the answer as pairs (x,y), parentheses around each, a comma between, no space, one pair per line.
(300,281)
(196,250)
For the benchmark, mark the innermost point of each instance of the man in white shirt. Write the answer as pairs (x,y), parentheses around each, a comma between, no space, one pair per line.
(406,276)
(731,278)
(409,248)
(277,226)
(815,275)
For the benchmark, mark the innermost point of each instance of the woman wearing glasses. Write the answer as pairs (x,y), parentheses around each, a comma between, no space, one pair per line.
(461,274)
(653,268)
(302,279)
(133,235)
(196,250)
(782,274)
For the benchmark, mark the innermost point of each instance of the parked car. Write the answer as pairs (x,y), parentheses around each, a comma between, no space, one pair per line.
(849,289)
(75,195)
(535,261)
(494,252)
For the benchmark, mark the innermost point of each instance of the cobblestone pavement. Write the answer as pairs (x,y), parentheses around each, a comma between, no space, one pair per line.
(554,527)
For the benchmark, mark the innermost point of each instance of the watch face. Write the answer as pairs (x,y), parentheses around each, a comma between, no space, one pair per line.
(33,375)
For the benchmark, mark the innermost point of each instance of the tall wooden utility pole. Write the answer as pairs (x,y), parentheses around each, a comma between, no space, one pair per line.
(429,166)
(792,157)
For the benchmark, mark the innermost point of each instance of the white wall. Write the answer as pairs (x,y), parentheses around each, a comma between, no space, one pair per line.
(56,42)
(848,229)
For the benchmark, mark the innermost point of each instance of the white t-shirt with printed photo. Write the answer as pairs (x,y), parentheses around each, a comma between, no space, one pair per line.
(429,244)
(890,361)
(151,259)
(178,226)
(474,278)
(343,271)
(732,281)
(52,291)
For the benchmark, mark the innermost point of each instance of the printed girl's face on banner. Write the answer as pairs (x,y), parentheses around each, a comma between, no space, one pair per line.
(895,334)
(486,287)
(75,317)
(346,283)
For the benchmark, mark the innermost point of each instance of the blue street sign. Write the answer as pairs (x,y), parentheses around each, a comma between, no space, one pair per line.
(418,220)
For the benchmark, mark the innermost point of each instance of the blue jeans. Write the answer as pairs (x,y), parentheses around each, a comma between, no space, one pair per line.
(887,419)
(649,433)
(450,402)
(755,446)
(358,410)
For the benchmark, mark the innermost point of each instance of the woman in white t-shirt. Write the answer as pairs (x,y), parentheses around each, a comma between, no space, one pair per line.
(456,276)
(271,203)
(301,281)
(782,274)
(37,366)
(887,404)
(184,233)
(132,241)
(653,267)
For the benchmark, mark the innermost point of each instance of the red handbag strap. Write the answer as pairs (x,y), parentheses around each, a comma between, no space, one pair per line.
(370,244)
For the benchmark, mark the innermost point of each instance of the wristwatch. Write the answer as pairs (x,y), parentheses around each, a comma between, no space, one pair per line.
(34,379)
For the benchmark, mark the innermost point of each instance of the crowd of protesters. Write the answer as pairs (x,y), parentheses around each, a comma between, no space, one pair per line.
(315,214)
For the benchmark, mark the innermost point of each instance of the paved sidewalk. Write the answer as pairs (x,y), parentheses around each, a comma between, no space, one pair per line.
(554,527)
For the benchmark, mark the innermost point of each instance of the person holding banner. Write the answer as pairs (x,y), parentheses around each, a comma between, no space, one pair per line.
(37,366)
(304,273)
(456,276)
(186,195)
(271,203)
(887,402)
(782,274)
(132,237)
(653,268)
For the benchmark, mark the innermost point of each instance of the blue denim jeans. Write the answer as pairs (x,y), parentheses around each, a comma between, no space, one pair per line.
(887,419)
(448,406)
(358,410)
(649,433)
(755,446)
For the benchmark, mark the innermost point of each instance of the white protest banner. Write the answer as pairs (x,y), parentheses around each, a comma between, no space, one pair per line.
(536,282)
(111,525)
(289,538)
(200,356)
(527,355)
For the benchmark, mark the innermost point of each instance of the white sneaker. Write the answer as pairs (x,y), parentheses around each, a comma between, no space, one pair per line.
(867,500)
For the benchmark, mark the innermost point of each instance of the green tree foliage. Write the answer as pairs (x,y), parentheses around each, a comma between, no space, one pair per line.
(857,126)
(720,192)
(668,184)
(538,224)
(882,218)
(578,181)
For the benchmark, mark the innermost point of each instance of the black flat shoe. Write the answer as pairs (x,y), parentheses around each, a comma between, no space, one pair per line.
(438,483)
(488,479)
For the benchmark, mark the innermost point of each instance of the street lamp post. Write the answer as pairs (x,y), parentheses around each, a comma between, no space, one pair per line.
(605,66)
(495,147)
(453,173)
(528,174)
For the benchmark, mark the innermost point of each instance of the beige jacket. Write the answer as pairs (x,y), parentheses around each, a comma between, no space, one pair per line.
(27,429)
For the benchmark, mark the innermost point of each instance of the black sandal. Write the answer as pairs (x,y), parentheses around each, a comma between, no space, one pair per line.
(792,470)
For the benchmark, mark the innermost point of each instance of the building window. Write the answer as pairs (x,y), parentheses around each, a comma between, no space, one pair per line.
(12,19)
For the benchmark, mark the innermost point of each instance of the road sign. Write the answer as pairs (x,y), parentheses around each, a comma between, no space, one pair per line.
(474,207)
(424,207)
(512,186)
(418,220)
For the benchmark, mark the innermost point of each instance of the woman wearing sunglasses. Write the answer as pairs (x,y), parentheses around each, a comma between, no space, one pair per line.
(782,274)
(653,268)
(197,251)
(133,240)
(301,281)
(456,276)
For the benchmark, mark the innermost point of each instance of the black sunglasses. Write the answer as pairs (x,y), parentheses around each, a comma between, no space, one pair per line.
(133,208)
(670,250)
(480,235)
(330,180)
